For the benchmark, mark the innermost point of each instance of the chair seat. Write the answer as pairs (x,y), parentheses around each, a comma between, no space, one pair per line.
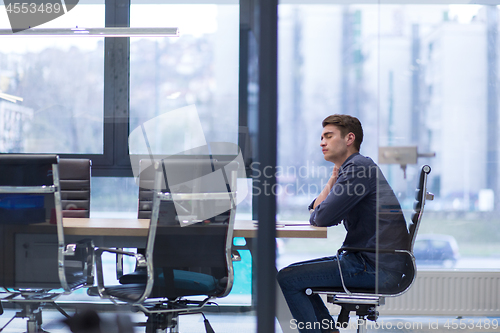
(401,287)
(127,293)
(185,283)
(76,281)
(75,277)
(341,290)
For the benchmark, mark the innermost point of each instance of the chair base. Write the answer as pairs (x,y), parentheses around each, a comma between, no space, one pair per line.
(161,322)
(361,325)
(363,311)
(364,306)
(32,311)
(31,304)
(169,322)
(161,318)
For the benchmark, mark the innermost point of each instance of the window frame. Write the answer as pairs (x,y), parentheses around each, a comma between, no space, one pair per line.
(115,159)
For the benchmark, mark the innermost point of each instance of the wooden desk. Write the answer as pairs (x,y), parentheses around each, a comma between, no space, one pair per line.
(139,228)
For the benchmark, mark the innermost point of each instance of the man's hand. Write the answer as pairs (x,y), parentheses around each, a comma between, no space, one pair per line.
(335,173)
(328,187)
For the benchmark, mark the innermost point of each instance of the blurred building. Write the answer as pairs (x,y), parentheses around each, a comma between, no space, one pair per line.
(14,124)
(455,94)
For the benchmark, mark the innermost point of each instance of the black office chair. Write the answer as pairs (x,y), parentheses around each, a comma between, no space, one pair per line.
(74,174)
(36,265)
(145,204)
(182,258)
(365,301)
(146,181)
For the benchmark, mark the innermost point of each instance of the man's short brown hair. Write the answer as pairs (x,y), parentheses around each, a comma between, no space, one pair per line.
(346,124)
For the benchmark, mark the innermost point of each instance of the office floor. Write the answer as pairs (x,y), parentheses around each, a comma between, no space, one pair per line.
(246,323)
(53,322)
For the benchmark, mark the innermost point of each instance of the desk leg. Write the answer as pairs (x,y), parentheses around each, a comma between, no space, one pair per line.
(282,311)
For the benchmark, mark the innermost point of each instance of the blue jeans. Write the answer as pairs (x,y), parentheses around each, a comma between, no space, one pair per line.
(309,312)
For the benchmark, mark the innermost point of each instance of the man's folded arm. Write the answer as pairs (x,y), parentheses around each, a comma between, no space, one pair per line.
(345,194)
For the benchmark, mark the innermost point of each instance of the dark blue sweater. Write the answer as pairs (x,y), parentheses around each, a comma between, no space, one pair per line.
(354,201)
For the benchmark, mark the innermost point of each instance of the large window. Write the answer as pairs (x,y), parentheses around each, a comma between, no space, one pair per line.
(200,68)
(84,96)
(415,75)
(61,81)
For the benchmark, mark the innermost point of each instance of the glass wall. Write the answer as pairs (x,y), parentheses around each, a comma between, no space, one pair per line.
(61,82)
(415,75)
(199,69)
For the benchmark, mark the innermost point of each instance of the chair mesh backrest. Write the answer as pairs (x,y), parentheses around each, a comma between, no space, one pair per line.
(418,205)
(28,231)
(146,184)
(197,251)
(74,174)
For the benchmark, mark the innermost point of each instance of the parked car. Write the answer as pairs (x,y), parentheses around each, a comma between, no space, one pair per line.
(436,250)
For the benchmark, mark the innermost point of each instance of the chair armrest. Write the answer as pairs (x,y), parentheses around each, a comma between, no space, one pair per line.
(361,249)
(235,255)
(141,261)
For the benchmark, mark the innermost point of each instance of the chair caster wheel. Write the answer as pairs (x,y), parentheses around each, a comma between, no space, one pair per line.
(372,315)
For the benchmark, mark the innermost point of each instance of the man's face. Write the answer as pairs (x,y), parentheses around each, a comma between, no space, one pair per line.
(333,145)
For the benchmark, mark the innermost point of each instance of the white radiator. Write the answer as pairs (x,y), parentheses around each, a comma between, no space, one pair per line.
(455,293)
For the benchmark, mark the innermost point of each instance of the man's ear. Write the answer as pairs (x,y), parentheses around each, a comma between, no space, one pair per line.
(350,138)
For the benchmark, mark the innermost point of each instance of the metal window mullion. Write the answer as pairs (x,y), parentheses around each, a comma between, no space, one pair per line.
(120,111)
(116,87)
(266,156)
